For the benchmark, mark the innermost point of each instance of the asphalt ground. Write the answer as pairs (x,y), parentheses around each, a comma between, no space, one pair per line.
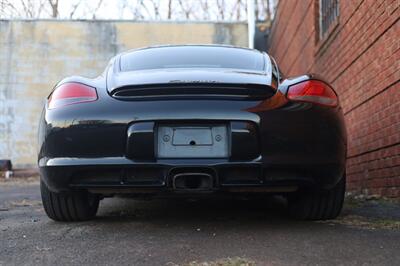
(194,232)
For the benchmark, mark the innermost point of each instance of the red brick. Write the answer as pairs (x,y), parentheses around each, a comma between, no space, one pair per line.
(362,61)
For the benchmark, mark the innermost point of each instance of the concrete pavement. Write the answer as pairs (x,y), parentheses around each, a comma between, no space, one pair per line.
(176,232)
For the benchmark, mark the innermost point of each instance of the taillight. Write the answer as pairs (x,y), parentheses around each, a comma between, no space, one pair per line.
(72,93)
(313,91)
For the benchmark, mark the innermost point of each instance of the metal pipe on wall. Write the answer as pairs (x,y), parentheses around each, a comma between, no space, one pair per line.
(251,22)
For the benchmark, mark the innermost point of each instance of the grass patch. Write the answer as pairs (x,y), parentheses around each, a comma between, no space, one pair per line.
(236,261)
(25,203)
(19,181)
(368,223)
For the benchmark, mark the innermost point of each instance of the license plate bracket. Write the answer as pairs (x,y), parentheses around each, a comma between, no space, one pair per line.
(192,141)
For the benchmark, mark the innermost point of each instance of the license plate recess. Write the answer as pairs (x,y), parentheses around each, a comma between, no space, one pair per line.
(198,141)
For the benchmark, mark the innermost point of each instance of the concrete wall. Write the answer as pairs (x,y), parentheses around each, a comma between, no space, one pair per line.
(34,55)
(360,57)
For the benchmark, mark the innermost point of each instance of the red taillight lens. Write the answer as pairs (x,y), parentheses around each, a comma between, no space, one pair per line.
(313,91)
(72,93)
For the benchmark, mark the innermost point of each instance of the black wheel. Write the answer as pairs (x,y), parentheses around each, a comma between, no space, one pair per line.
(69,206)
(318,205)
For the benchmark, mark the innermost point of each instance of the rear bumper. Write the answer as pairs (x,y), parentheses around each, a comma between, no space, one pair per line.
(122,175)
(297,144)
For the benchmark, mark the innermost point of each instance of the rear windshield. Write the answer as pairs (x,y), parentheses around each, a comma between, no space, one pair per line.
(192,57)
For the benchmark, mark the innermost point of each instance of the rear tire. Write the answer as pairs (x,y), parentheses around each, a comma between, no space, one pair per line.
(318,205)
(69,206)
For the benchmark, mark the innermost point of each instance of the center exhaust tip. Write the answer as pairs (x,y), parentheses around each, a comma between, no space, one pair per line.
(192,181)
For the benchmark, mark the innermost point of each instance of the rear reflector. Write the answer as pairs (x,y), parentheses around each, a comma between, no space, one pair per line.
(313,91)
(71,93)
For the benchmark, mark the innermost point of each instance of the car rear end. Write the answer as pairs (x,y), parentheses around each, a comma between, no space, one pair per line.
(195,131)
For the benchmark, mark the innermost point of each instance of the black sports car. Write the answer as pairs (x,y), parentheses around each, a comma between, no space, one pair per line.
(192,120)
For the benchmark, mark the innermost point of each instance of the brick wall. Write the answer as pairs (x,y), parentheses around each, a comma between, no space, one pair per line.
(360,57)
